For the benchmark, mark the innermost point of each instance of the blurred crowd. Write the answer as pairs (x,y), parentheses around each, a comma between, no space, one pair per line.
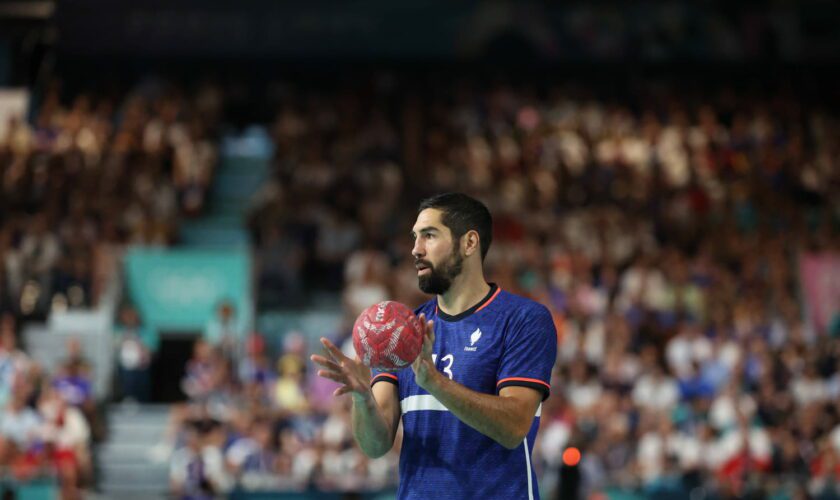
(48,418)
(85,176)
(263,422)
(663,227)
(101,169)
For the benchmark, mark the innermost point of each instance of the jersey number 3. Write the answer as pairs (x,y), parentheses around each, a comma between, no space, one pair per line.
(447,369)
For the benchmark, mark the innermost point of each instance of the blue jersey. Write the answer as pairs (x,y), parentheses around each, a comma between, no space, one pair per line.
(504,340)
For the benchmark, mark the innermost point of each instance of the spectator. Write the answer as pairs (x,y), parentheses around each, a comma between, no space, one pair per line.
(258,466)
(288,390)
(198,379)
(13,362)
(20,431)
(67,435)
(133,356)
(281,259)
(73,381)
(39,253)
(255,367)
(224,330)
(197,469)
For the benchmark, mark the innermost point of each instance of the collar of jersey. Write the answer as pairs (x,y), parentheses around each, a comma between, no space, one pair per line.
(481,303)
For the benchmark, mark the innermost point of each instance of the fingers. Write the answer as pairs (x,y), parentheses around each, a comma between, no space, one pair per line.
(429,337)
(336,368)
(326,363)
(334,352)
(428,325)
(338,377)
(333,370)
(428,346)
(345,389)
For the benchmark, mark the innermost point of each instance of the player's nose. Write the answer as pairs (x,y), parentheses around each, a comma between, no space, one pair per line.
(418,251)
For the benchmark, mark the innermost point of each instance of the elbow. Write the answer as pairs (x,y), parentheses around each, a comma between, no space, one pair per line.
(510,445)
(515,436)
(512,440)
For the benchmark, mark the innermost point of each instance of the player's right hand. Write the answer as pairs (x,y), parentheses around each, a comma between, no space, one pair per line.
(351,373)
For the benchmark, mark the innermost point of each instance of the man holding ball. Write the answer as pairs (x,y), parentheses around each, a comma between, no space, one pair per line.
(470,404)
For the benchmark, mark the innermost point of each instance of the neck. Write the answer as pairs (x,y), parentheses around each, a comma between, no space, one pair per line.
(466,291)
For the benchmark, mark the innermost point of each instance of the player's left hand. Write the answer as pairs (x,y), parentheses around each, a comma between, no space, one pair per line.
(424,366)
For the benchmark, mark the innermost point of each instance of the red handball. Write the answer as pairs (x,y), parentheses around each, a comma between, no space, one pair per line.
(388,336)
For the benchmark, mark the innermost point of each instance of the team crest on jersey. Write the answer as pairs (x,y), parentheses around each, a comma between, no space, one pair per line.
(473,339)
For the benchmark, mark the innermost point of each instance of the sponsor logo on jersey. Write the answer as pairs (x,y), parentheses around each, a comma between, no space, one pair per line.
(474,336)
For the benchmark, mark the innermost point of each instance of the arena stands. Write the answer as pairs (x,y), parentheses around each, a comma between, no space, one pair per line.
(666,237)
(191,193)
(90,175)
(666,234)
(93,172)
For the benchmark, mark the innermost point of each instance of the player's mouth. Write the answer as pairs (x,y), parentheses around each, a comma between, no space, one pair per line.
(422,268)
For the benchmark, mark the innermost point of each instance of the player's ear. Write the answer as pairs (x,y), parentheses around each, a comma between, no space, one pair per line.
(471,243)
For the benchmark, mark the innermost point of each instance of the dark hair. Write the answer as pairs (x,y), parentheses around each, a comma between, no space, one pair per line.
(462,213)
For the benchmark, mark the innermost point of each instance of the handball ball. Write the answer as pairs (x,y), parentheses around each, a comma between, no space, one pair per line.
(388,336)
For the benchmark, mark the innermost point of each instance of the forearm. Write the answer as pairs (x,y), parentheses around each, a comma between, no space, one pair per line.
(371,430)
(497,417)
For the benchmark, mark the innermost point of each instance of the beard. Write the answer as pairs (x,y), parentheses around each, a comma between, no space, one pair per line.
(440,278)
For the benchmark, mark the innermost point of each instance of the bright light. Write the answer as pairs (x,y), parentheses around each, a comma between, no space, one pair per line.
(571,456)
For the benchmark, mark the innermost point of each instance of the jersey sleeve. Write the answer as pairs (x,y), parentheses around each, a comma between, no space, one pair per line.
(383,376)
(530,350)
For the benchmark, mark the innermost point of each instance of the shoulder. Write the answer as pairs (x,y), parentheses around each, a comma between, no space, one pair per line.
(526,319)
(522,308)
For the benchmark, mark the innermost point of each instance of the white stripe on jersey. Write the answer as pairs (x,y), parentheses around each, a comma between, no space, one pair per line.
(429,402)
(528,469)
(421,402)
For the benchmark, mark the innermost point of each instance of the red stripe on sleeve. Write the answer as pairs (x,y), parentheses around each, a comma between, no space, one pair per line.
(510,379)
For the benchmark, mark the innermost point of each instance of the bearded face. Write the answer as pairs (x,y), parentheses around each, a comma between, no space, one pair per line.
(437,278)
